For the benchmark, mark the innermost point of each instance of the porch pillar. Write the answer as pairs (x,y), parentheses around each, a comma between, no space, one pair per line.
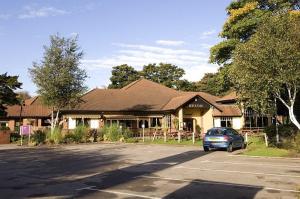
(180,118)
(194,125)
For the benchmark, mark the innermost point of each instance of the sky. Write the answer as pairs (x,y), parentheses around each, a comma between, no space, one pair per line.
(110,33)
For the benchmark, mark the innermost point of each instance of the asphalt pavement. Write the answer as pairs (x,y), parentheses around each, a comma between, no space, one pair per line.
(142,171)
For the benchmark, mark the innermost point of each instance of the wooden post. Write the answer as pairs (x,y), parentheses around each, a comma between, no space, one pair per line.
(193,137)
(246,137)
(165,136)
(179,137)
(266,139)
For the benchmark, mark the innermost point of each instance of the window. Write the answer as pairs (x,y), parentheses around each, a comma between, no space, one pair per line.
(155,122)
(226,121)
(145,122)
(215,132)
(168,121)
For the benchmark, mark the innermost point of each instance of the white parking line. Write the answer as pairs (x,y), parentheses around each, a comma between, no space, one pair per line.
(248,163)
(222,183)
(253,156)
(241,172)
(118,193)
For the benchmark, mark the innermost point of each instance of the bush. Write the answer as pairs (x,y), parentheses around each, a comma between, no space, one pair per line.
(81,134)
(127,134)
(55,137)
(39,137)
(288,135)
(4,128)
(14,137)
(69,138)
(112,133)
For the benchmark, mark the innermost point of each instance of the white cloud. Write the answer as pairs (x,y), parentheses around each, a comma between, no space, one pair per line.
(195,63)
(31,12)
(170,42)
(207,34)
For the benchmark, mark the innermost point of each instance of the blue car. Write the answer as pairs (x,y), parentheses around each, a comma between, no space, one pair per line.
(223,138)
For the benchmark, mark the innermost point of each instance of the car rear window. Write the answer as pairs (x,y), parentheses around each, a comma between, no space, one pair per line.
(215,132)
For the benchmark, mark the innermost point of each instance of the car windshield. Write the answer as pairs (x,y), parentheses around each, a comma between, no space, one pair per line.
(215,132)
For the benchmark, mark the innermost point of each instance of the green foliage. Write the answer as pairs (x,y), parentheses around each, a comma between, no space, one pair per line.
(216,83)
(4,128)
(59,79)
(39,137)
(14,137)
(69,138)
(163,73)
(198,129)
(285,131)
(267,66)
(7,95)
(81,134)
(244,17)
(112,133)
(54,137)
(166,74)
(122,75)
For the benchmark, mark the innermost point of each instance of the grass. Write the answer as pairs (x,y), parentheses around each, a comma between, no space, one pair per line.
(169,142)
(256,147)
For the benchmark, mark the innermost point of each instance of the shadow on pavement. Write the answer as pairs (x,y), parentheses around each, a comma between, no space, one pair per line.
(216,190)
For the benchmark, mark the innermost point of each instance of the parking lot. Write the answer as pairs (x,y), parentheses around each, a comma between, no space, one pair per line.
(142,171)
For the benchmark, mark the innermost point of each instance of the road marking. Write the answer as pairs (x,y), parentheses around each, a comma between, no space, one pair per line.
(242,172)
(221,183)
(256,164)
(118,193)
(89,187)
(253,156)
(160,163)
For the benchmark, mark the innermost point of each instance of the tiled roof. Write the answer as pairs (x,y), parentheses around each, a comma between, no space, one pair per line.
(230,97)
(28,111)
(33,108)
(227,110)
(141,95)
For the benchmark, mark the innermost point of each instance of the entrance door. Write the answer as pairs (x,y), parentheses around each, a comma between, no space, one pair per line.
(188,124)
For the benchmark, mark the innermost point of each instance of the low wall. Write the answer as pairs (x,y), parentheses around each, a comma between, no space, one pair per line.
(4,136)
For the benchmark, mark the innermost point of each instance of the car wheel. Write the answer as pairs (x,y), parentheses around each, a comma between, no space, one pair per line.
(229,148)
(206,149)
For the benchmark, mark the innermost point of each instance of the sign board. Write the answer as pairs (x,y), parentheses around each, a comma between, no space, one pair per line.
(25,130)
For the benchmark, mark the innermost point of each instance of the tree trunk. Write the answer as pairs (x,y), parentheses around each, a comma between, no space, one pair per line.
(52,120)
(293,117)
(56,118)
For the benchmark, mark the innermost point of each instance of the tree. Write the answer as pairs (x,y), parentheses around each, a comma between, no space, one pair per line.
(215,83)
(166,74)
(7,95)
(163,73)
(244,16)
(59,79)
(22,96)
(122,75)
(268,65)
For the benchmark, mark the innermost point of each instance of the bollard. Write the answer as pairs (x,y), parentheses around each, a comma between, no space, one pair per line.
(193,137)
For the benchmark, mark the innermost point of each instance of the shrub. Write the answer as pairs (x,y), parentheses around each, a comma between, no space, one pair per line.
(14,137)
(69,138)
(5,128)
(127,134)
(81,134)
(289,137)
(55,137)
(112,133)
(39,137)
